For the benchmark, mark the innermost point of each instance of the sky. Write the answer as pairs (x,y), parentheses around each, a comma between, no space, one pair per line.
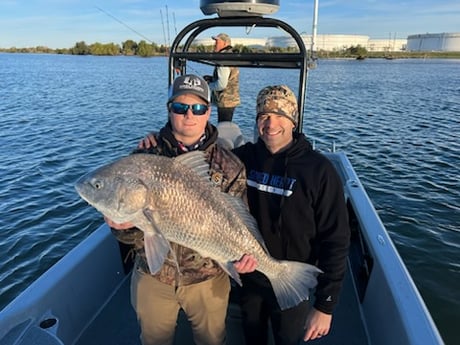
(62,23)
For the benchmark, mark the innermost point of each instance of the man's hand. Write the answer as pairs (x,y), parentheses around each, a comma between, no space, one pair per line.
(208,78)
(246,264)
(317,325)
(122,226)
(147,142)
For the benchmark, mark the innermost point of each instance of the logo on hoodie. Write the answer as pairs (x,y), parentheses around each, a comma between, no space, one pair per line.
(274,184)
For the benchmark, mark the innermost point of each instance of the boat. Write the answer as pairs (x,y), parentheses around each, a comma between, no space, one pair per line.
(84,298)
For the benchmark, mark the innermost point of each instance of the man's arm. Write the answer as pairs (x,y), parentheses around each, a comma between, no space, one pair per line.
(223,73)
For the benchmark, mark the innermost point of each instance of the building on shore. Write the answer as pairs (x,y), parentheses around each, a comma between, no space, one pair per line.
(445,42)
(385,45)
(420,42)
(323,42)
(341,42)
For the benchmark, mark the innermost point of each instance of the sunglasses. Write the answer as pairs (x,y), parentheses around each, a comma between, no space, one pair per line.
(181,108)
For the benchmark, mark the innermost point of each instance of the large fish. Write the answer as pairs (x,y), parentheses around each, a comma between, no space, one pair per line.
(173,199)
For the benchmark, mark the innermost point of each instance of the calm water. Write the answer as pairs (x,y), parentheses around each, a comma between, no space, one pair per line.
(398,121)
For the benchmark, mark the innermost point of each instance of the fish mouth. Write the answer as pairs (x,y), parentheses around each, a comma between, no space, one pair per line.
(80,187)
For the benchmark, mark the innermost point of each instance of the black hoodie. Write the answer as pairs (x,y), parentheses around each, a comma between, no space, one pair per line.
(298,201)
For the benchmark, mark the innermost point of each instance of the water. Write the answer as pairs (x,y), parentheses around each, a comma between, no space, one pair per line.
(398,120)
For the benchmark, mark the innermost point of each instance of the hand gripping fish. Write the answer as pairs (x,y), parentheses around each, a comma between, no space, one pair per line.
(173,199)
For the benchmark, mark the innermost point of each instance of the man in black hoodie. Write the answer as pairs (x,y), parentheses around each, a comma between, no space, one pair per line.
(297,198)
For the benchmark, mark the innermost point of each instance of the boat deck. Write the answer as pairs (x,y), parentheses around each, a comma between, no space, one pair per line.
(347,326)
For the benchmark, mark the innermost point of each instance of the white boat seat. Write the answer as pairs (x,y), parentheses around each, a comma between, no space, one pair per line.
(230,135)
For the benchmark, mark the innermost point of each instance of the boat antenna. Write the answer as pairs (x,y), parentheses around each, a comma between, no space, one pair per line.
(124,24)
(312,59)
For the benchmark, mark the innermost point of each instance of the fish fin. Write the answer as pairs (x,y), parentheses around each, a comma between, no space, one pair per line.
(195,160)
(156,249)
(231,271)
(156,245)
(292,285)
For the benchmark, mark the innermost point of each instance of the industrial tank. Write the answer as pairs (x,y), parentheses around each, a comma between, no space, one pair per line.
(446,42)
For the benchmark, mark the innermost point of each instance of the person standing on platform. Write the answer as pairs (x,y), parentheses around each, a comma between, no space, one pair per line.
(224,83)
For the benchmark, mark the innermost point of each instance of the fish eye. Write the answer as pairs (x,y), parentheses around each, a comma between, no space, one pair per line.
(98,184)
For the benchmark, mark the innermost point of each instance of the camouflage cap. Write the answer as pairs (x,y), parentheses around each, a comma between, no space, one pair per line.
(190,83)
(224,37)
(278,99)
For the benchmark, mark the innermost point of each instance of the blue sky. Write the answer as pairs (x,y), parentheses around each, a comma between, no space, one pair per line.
(62,23)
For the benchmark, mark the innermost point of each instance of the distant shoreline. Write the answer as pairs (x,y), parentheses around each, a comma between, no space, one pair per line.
(319,55)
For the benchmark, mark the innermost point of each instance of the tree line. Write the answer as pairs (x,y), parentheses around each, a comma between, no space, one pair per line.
(128,47)
(132,48)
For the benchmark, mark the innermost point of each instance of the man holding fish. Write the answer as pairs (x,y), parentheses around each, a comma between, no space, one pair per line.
(186,280)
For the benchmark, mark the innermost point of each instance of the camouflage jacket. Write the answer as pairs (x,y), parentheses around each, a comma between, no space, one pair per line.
(228,173)
(230,96)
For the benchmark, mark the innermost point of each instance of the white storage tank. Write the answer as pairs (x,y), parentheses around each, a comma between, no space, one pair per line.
(239,7)
(446,42)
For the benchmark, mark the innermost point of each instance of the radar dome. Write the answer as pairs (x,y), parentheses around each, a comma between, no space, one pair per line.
(239,8)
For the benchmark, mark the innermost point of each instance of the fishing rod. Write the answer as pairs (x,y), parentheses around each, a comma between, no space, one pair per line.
(143,36)
(163,25)
(124,24)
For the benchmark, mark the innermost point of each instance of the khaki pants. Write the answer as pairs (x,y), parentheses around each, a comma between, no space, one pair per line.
(157,306)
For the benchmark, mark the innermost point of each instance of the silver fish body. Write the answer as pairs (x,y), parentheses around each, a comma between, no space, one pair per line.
(172,199)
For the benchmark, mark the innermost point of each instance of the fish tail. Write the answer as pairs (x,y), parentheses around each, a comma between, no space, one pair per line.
(293,284)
